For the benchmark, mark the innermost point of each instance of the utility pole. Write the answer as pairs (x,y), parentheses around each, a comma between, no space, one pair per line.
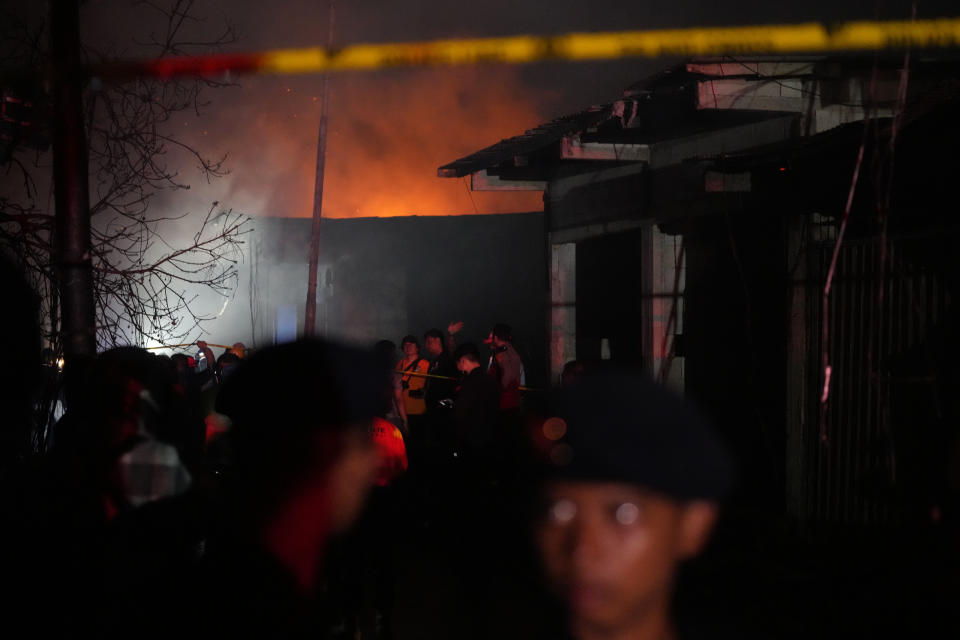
(71,240)
(310,314)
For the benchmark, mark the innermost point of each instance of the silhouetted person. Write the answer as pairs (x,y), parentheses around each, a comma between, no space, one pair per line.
(438,349)
(182,366)
(20,376)
(572,371)
(21,369)
(439,393)
(393,409)
(301,466)
(226,365)
(633,489)
(506,366)
(476,405)
(112,456)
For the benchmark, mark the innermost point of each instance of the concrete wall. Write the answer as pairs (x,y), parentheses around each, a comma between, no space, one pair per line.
(382,278)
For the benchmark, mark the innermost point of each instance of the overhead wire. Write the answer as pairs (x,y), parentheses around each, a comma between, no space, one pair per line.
(826,367)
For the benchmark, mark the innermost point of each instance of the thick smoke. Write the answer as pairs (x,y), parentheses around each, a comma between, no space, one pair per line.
(388,134)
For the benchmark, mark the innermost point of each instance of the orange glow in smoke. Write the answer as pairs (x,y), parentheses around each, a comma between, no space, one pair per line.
(388,133)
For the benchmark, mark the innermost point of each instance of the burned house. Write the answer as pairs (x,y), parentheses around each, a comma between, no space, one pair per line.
(693,226)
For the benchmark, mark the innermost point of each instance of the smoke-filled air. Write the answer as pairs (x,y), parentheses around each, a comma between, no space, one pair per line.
(388,133)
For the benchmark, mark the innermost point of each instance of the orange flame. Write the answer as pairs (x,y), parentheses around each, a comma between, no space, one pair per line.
(388,133)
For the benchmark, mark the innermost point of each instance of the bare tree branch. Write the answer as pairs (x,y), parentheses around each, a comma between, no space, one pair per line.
(146,284)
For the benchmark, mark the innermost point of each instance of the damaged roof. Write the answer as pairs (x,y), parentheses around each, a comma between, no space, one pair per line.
(668,87)
(675,107)
(529,142)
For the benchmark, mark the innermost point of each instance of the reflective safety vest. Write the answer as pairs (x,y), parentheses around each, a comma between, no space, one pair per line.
(413,386)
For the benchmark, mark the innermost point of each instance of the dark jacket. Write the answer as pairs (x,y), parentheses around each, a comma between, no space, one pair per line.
(476,410)
(240,591)
(438,390)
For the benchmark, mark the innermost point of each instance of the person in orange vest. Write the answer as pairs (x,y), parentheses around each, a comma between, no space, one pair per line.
(413,386)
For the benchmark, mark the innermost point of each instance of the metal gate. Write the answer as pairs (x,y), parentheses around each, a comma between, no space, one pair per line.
(875,323)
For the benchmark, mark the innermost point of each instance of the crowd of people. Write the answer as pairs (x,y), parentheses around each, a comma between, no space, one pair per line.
(448,400)
(265,494)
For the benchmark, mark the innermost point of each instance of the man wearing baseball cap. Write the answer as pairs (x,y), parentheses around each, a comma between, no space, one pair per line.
(634,482)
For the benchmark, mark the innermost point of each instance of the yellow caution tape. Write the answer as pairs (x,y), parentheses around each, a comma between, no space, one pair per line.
(436,377)
(810,37)
(405,373)
(189,344)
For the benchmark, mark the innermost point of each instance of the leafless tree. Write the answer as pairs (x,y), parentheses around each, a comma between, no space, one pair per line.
(146,283)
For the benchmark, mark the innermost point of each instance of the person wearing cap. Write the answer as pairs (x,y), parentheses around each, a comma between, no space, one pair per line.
(633,487)
(506,366)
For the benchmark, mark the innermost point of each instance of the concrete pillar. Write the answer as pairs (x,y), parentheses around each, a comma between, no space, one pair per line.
(563,306)
(664,281)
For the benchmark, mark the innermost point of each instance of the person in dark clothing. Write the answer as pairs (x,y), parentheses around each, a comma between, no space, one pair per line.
(226,364)
(113,456)
(439,393)
(634,479)
(477,403)
(21,373)
(438,348)
(506,366)
(20,379)
(572,371)
(393,409)
(302,464)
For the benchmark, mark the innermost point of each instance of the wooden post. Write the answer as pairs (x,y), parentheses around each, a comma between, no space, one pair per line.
(71,241)
(310,313)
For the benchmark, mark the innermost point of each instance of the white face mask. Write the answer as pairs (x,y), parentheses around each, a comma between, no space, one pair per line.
(152,470)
